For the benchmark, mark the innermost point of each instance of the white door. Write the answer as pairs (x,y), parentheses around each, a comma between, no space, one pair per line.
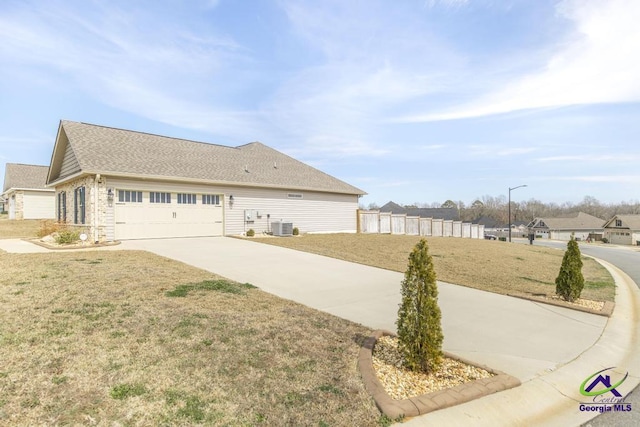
(145,220)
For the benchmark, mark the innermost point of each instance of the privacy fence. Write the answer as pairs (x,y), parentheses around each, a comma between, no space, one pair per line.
(388,223)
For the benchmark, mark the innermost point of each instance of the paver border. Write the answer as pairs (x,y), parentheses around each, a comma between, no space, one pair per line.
(66,248)
(427,402)
(606,311)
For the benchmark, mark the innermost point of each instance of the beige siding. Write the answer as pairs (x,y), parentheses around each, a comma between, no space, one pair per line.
(314,212)
(69,163)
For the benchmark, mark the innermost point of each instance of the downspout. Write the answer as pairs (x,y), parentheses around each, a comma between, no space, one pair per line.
(95,208)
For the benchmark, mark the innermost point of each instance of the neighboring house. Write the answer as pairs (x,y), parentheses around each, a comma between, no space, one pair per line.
(25,194)
(623,230)
(581,225)
(447,214)
(119,184)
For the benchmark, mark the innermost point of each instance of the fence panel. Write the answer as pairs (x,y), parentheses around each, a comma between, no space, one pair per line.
(425,226)
(385,223)
(436,227)
(398,223)
(413,226)
(457,228)
(369,222)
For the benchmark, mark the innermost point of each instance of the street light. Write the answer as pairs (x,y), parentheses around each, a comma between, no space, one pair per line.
(512,188)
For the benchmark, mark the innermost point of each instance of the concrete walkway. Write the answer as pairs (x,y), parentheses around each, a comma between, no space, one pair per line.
(550,349)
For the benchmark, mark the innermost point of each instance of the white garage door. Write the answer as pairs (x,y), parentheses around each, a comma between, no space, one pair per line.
(149,215)
(39,205)
(620,237)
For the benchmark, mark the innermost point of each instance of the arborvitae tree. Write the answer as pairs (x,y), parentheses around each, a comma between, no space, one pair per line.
(419,329)
(570,281)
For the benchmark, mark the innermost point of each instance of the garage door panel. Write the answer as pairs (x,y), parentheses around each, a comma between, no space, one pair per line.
(147,221)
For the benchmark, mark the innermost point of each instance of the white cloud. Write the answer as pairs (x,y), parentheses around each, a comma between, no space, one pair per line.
(596,64)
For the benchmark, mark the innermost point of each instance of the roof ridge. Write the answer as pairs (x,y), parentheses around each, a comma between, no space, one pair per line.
(150,134)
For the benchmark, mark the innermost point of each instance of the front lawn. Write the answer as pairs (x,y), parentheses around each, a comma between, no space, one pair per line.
(11,229)
(489,265)
(130,338)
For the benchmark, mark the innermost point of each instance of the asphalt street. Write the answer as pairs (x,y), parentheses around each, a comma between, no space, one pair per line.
(628,260)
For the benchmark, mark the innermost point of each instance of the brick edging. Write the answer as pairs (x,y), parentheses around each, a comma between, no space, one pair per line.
(427,402)
(87,246)
(607,309)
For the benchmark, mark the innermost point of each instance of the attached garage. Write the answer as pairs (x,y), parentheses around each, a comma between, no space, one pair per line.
(623,230)
(26,194)
(157,214)
(116,184)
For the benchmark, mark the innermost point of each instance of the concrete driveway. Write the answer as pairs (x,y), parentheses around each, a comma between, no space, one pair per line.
(522,338)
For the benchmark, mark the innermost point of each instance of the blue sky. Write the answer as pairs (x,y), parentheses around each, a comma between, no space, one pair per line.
(412,101)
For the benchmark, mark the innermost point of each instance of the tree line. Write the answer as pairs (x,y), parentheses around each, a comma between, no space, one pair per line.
(496,208)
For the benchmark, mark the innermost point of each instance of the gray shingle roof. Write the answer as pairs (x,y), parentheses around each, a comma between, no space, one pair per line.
(100,149)
(628,221)
(17,175)
(581,221)
(437,213)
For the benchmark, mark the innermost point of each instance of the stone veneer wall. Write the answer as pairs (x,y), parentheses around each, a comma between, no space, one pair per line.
(90,199)
(19,204)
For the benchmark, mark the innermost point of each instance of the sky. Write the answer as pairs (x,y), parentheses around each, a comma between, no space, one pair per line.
(409,100)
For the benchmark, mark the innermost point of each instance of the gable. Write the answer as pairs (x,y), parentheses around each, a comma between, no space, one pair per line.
(631,222)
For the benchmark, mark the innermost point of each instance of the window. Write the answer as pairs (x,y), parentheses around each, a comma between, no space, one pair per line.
(79,206)
(618,223)
(62,206)
(186,199)
(210,199)
(294,196)
(130,196)
(158,197)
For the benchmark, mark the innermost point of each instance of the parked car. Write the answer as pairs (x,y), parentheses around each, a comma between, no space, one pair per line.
(490,237)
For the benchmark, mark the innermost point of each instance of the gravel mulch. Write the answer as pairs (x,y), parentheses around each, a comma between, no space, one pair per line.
(400,383)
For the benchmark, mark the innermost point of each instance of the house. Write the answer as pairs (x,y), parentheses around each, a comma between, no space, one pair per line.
(447,214)
(119,184)
(623,230)
(24,192)
(581,225)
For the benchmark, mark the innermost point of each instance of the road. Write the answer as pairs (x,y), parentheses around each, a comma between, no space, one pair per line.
(628,260)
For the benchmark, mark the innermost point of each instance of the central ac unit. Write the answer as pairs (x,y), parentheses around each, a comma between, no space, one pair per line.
(279,228)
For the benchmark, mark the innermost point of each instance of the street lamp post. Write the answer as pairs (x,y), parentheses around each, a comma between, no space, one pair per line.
(512,188)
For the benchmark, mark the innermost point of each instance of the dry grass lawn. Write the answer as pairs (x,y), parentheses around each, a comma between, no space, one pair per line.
(11,229)
(490,265)
(130,338)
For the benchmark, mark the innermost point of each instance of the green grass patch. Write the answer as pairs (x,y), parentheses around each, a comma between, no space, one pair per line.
(529,279)
(210,285)
(124,391)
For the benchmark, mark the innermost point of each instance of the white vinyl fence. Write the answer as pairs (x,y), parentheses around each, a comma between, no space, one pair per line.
(387,223)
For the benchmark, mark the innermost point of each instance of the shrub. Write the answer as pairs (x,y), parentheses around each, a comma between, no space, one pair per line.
(296,231)
(49,227)
(251,232)
(419,328)
(570,281)
(605,240)
(64,237)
